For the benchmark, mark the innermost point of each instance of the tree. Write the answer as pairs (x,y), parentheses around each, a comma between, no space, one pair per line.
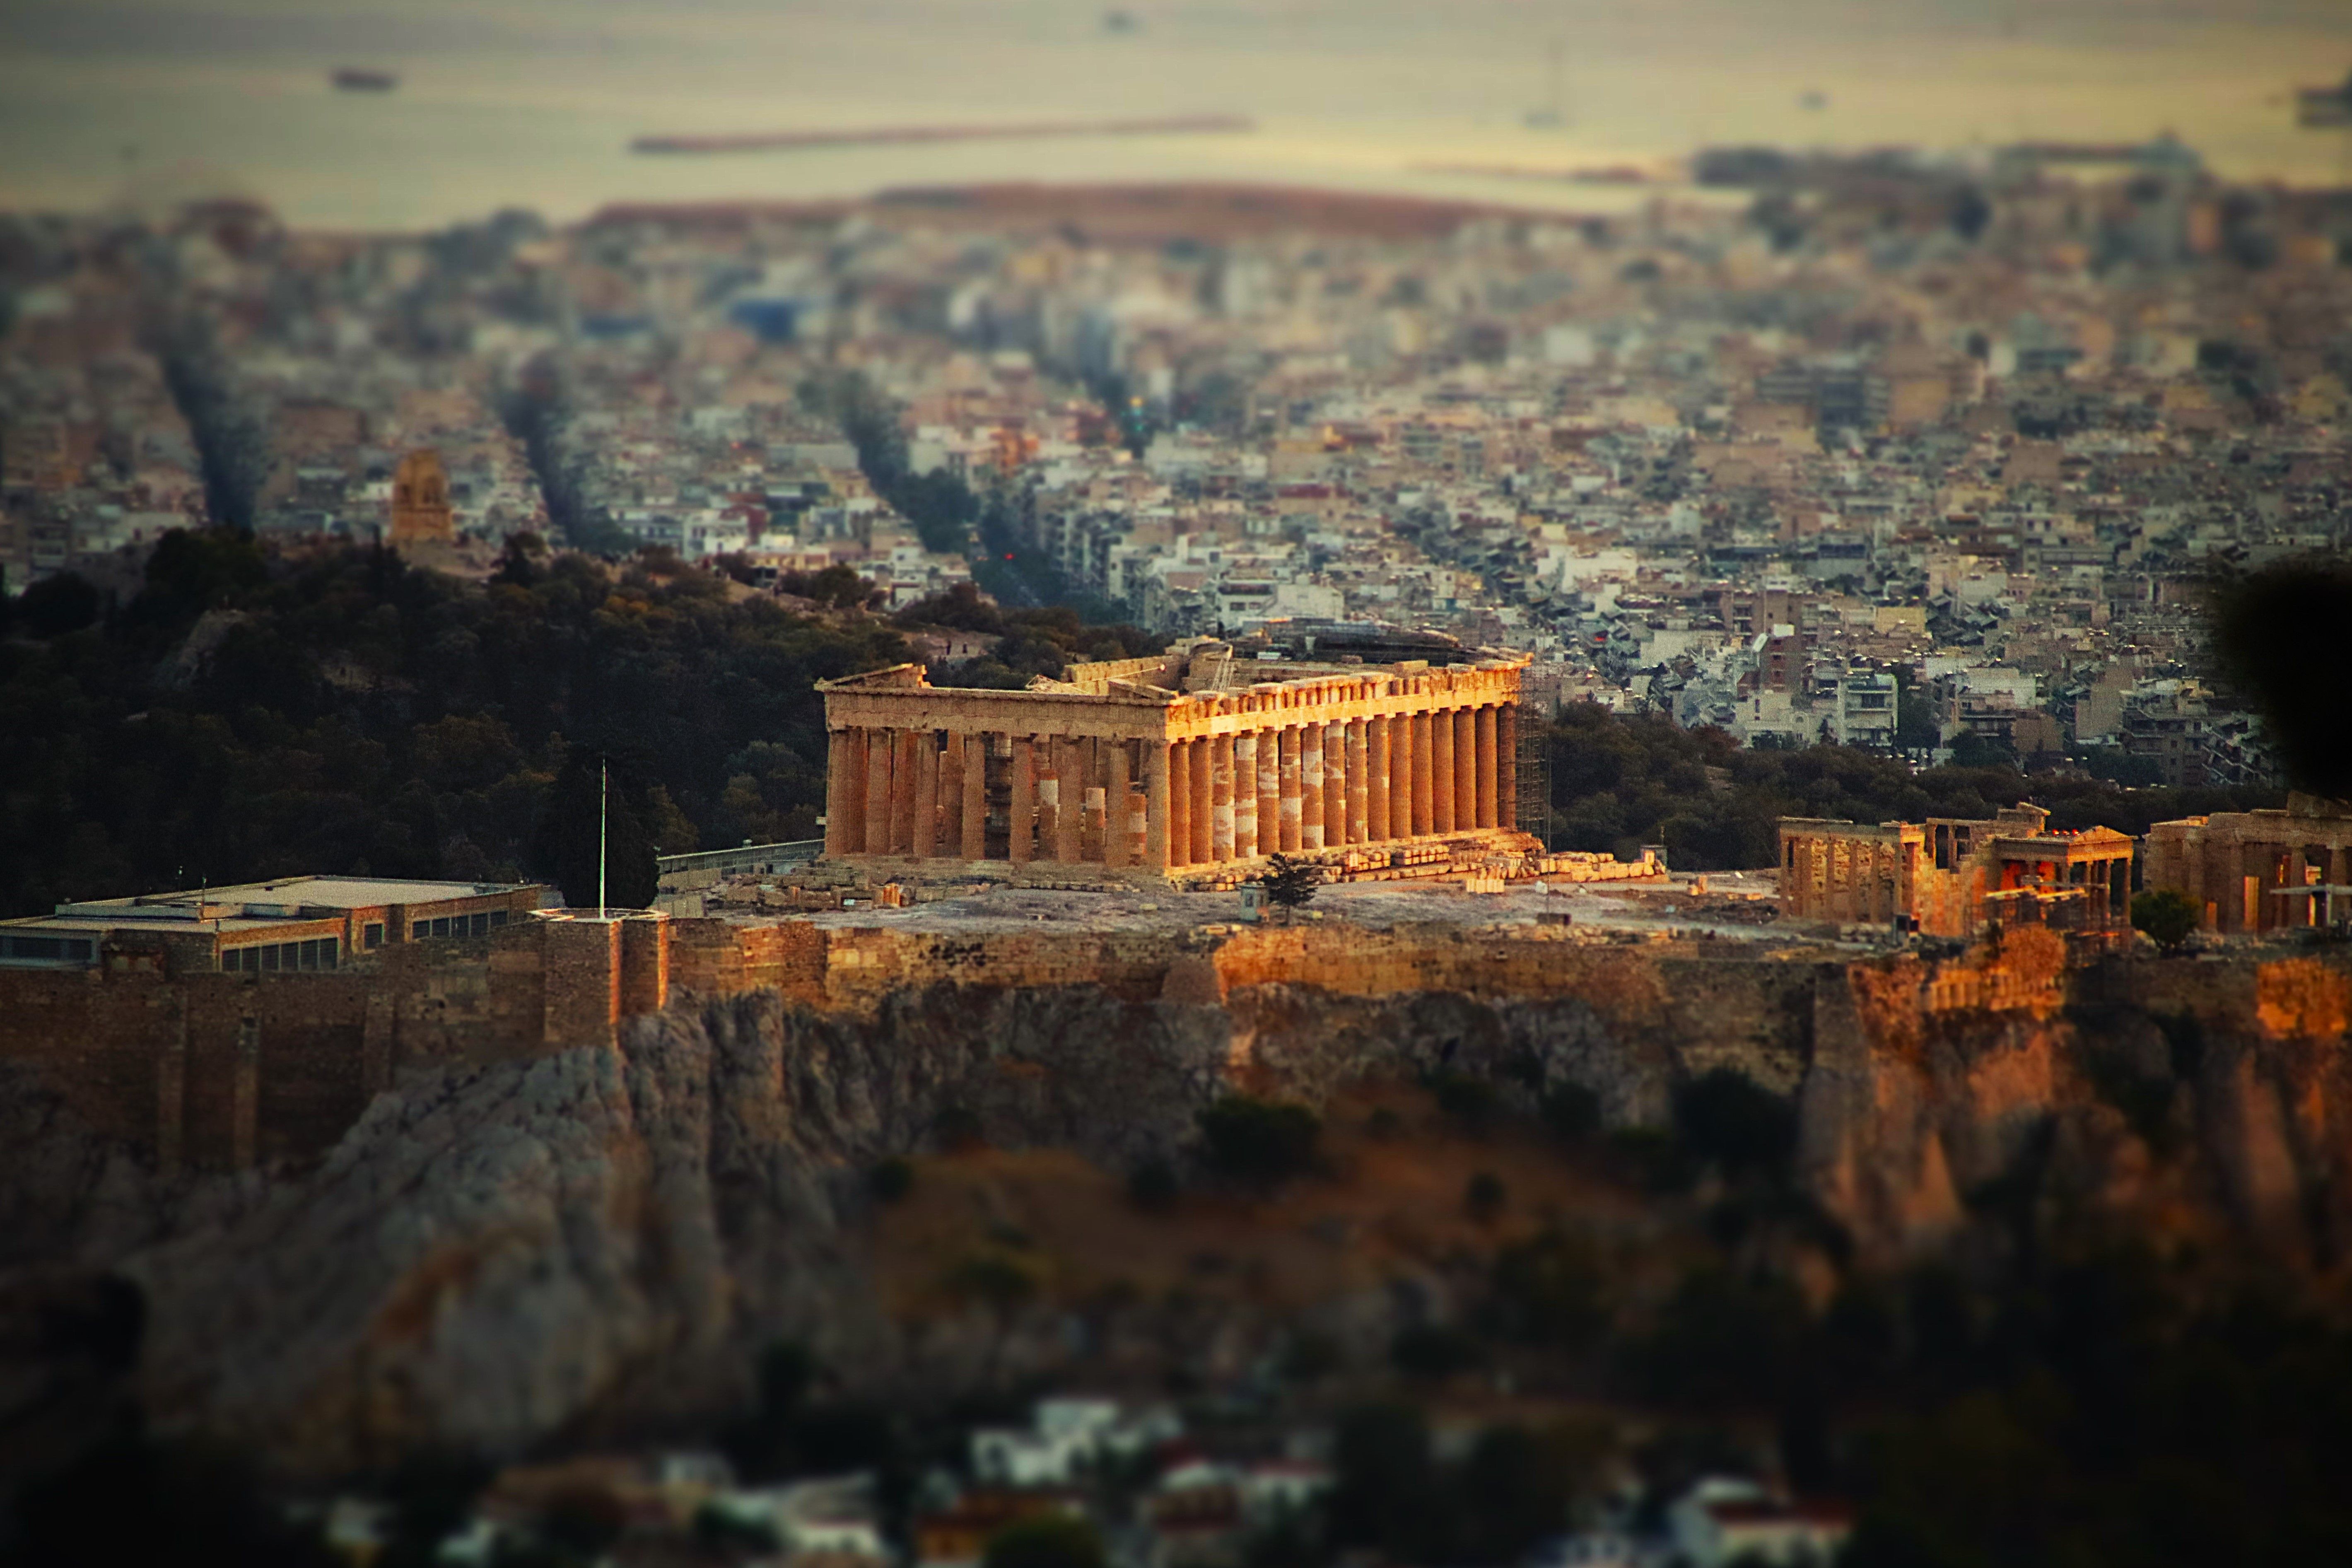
(1484,1198)
(2168,915)
(1257,1141)
(2280,635)
(1290,884)
(565,851)
(57,605)
(1048,1540)
(1724,1117)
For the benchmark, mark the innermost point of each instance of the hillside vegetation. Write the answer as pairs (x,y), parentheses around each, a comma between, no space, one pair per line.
(248,715)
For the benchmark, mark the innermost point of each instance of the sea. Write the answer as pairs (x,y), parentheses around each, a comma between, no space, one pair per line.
(138,106)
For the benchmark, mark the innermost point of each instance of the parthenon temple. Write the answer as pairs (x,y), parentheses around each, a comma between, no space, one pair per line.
(1182,764)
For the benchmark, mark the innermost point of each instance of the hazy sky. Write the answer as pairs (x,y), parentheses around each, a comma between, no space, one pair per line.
(535,104)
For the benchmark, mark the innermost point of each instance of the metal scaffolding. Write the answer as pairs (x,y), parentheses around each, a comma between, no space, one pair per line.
(1532,762)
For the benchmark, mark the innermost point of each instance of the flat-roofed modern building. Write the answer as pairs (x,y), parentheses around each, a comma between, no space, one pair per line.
(292,923)
(1189,762)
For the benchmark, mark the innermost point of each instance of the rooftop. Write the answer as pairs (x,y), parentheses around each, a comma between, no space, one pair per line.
(287,898)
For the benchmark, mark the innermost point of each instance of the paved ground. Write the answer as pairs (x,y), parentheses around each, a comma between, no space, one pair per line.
(1732,908)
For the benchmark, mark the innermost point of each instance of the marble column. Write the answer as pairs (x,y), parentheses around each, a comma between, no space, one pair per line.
(1245,798)
(1489,811)
(1291,818)
(1398,730)
(1466,769)
(1335,785)
(1044,758)
(1359,753)
(1424,819)
(837,793)
(976,749)
(878,792)
(1380,757)
(926,845)
(1221,797)
(902,794)
(1310,787)
(1180,802)
(951,797)
(1507,765)
(1118,809)
(1441,772)
(1269,791)
(1158,804)
(1201,798)
(1024,800)
(1070,795)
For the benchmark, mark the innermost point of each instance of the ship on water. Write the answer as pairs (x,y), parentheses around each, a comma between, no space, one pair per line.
(356,79)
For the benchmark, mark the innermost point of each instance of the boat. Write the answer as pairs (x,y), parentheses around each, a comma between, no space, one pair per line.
(354,78)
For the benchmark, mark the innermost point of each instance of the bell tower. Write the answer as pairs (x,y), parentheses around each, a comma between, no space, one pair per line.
(420,500)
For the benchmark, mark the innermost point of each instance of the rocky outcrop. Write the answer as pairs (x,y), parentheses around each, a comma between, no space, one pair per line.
(498,1255)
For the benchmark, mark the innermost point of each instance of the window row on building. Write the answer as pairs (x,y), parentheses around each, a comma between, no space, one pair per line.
(25,949)
(459,925)
(278,957)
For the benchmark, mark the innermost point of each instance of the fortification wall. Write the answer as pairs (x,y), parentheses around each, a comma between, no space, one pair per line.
(222,1070)
(213,1070)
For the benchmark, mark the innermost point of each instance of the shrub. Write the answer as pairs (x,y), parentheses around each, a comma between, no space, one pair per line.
(1049,1540)
(1482,1199)
(1470,1102)
(1572,1112)
(890,1181)
(1288,884)
(956,1130)
(1436,1350)
(1152,1187)
(2168,916)
(1257,1141)
(1724,1117)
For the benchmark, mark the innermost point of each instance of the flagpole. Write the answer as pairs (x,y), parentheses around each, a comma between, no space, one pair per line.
(603,787)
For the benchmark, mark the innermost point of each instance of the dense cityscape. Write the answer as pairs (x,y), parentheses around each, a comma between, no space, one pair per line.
(932,1143)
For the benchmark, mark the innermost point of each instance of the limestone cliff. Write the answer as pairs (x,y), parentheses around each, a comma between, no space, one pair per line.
(498,1255)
